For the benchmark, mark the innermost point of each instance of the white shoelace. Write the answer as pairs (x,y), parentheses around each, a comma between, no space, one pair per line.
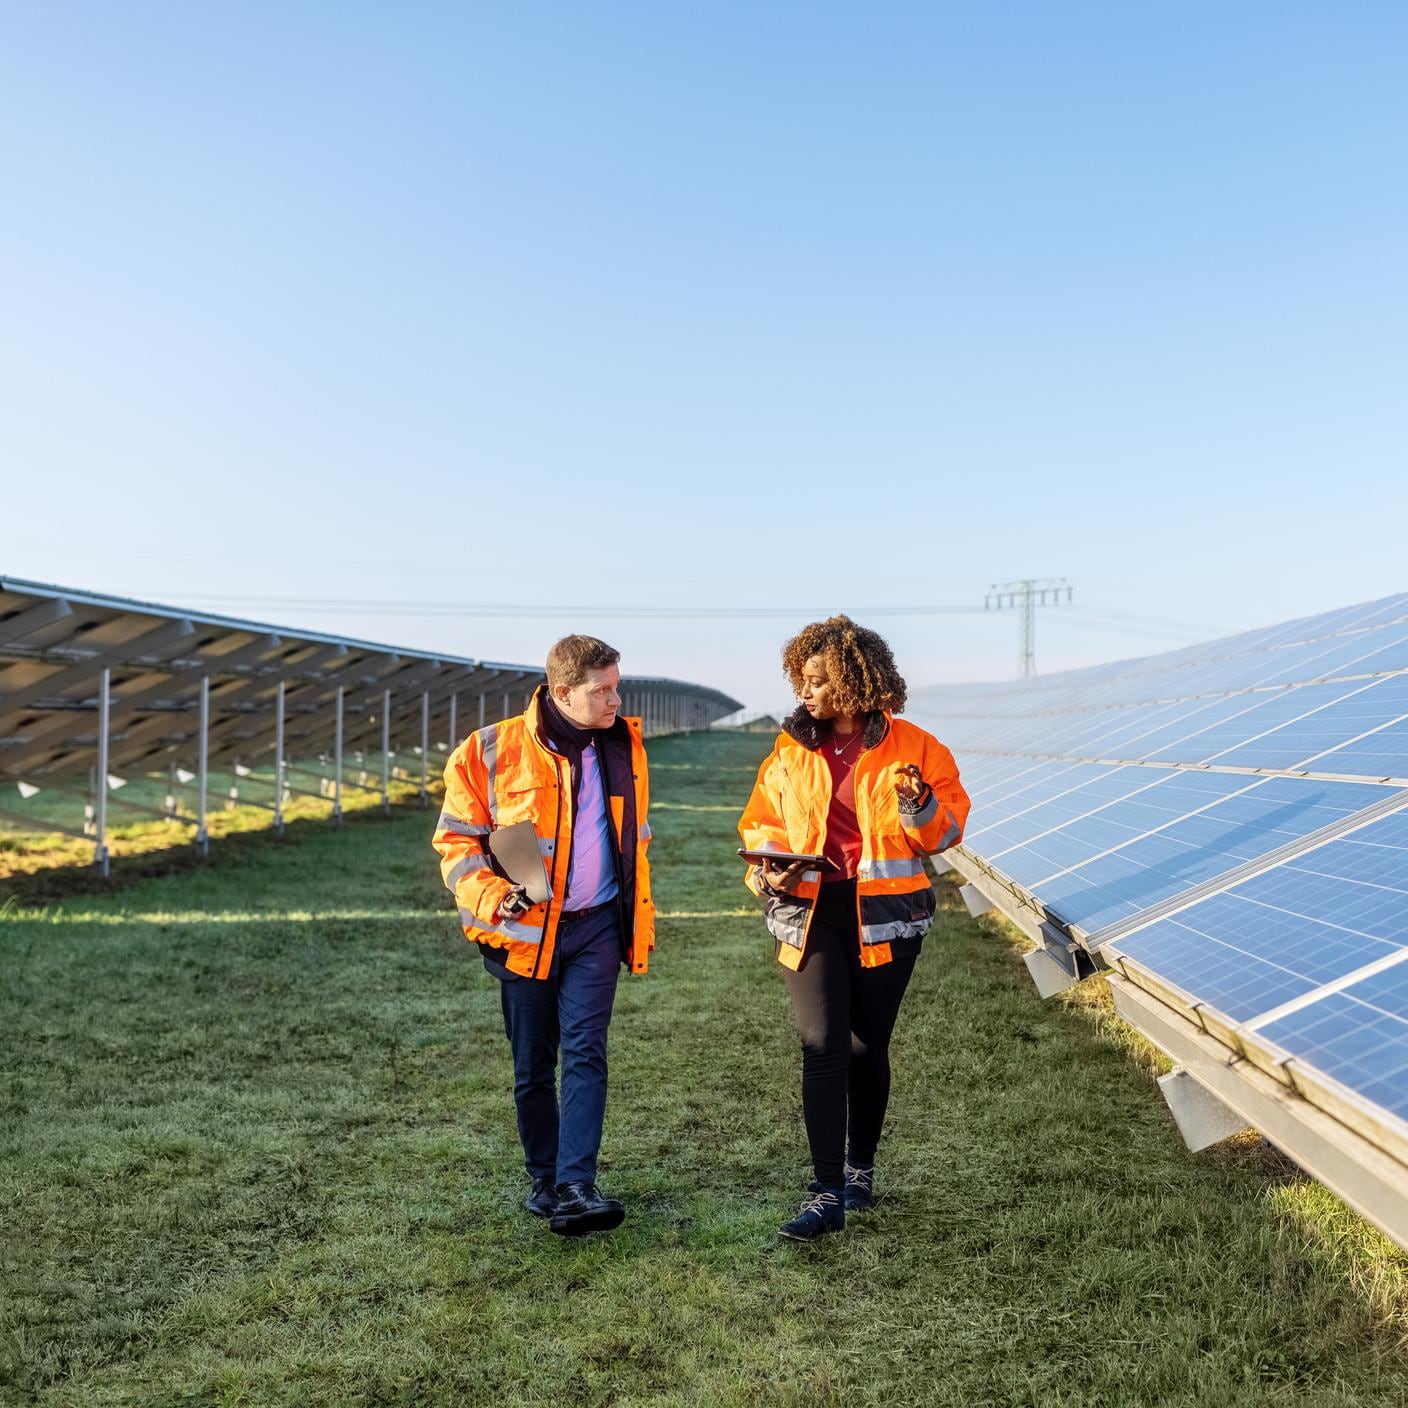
(819,1202)
(862,1178)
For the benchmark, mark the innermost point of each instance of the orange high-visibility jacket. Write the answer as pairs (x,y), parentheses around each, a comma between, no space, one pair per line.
(506,773)
(787,812)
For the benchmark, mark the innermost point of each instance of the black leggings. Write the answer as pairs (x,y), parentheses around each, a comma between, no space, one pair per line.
(845,1014)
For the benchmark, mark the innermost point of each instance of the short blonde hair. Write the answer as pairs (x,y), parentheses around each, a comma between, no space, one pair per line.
(572,656)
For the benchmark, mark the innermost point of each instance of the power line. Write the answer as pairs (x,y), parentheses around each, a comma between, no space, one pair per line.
(512,610)
(1026,595)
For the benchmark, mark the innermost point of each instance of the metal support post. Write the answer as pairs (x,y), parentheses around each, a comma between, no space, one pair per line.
(337,765)
(482,706)
(100,799)
(425,748)
(454,710)
(507,705)
(386,752)
(279,762)
(203,769)
(1202,1118)
(978,903)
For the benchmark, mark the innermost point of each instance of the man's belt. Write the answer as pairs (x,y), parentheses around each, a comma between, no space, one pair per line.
(573,916)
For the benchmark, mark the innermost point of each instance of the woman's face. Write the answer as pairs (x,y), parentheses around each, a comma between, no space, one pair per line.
(815,691)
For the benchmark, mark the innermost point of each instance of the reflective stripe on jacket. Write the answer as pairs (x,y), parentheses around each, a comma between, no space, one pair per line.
(506,773)
(788,810)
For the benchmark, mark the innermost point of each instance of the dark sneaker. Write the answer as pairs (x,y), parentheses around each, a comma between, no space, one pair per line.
(823,1212)
(860,1187)
(581,1209)
(542,1198)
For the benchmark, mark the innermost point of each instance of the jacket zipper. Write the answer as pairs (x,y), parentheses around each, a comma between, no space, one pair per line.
(556,838)
(811,913)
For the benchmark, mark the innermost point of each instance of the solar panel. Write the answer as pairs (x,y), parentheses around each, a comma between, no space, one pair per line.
(1356,1035)
(1226,826)
(96,687)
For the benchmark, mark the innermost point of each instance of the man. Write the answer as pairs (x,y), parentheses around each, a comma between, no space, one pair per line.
(576,771)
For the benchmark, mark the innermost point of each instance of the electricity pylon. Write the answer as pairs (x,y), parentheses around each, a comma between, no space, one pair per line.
(1027,595)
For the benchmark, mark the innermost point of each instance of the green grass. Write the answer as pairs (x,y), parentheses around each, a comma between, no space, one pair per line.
(32,851)
(257,1146)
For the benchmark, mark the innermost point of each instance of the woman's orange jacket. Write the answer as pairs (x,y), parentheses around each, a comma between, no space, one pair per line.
(788,809)
(506,773)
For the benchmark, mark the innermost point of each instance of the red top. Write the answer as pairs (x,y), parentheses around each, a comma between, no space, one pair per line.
(842,829)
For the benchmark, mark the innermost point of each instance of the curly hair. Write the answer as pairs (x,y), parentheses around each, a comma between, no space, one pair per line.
(859,665)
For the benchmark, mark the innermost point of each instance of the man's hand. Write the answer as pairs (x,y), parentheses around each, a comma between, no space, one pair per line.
(514,903)
(786,878)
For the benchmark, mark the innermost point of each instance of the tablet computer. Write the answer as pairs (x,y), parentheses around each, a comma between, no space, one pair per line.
(780,860)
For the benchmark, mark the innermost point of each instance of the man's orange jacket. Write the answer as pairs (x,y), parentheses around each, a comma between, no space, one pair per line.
(788,810)
(506,773)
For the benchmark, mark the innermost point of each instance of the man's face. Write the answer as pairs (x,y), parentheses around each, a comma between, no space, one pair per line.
(594,703)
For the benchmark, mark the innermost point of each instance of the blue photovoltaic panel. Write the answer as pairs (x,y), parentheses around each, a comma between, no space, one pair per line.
(1120,734)
(1357,1036)
(1260,817)
(1288,931)
(1380,651)
(1319,741)
(1250,823)
(1036,781)
(1043,783)
(1167,740)
(1169,794)
(1276,714)
(1383,753)
(1108,784)
(1039,862)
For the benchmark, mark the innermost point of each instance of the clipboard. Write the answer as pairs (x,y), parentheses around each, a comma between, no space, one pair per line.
(516,850)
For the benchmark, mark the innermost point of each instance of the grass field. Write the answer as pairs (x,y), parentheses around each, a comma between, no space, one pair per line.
(28,850)
(257,1146)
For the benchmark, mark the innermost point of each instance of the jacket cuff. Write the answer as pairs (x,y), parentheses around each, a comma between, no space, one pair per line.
(917,812)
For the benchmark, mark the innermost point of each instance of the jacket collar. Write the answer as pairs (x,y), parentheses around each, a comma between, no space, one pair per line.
(536,718)
(800,726)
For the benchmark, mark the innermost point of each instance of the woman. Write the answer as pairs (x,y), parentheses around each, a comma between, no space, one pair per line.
(873,794)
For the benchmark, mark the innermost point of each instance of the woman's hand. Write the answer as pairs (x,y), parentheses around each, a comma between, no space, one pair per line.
(786,879)
(909,781)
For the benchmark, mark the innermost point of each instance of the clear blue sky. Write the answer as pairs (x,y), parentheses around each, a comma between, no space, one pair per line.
(708,307)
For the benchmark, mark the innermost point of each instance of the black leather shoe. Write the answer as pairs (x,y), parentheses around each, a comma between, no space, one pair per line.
(582,1209)
(542,1198)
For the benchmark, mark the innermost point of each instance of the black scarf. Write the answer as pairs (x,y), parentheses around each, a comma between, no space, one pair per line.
(566,736)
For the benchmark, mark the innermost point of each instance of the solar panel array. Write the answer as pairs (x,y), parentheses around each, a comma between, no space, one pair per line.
(95,686)
(1226,826)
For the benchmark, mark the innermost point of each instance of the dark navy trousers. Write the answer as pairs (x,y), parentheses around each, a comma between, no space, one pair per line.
(569,1011)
